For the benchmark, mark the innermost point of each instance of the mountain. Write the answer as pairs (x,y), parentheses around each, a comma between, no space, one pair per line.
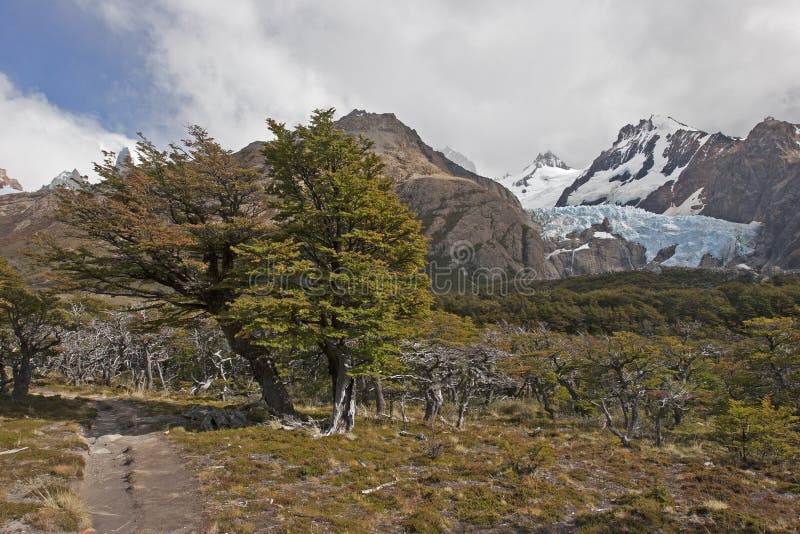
(469,216)
(664,166)
(458,208)
(541,183)
(458,158)
(642,166)
(8,185)
(69,179)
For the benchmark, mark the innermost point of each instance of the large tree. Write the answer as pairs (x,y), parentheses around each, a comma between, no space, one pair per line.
(343,271)
(165,231)
(28,328)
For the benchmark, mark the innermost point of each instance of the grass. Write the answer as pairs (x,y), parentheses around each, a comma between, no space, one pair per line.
(510,469)
(35,482)
(492,475)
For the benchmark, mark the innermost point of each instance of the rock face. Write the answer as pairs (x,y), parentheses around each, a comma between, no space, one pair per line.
(595,250)
(8,185)
(458,158)
(758,179)
(459,209)
(22,216)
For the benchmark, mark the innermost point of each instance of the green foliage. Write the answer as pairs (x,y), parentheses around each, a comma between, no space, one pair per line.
(345,262)
(28,320)
(759,434)
(164,230)
(637,301)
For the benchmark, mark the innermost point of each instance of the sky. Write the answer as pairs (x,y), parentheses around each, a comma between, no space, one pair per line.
(497,81)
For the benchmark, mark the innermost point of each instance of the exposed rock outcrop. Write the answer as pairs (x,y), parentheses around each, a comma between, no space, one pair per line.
(8,185)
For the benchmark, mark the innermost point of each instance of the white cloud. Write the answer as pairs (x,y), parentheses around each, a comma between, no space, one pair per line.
(497,81)
(38,140)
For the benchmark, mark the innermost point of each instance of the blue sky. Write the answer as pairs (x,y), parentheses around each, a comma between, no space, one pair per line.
(499,82)
(72,56)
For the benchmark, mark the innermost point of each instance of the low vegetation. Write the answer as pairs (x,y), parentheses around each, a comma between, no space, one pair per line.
(41,456)
(511,468)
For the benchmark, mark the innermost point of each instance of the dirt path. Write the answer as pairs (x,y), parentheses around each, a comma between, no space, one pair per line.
(134,479)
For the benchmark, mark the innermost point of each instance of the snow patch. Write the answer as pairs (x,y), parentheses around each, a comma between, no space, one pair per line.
(604,235)
(691,206)
(541,183)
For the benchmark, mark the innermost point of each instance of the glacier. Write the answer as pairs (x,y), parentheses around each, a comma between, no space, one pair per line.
(694,235)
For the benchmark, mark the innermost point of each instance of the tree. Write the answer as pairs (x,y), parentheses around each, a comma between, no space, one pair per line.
(774,361)
(28,322)
(165,231)
(343,270)
(759,433)
(619,369)
(549,366)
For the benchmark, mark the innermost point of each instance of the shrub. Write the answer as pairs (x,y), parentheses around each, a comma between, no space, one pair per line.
(760,434)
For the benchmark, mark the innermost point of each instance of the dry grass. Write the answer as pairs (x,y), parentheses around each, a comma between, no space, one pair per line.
(34,482)
(492,475)
(61,510)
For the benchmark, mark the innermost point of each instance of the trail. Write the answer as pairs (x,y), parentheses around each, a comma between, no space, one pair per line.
(135,481)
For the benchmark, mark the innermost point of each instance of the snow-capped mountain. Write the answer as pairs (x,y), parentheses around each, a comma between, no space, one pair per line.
(8,185)
(458,158)
(69,179)
(694,238)
(644,159)
(541,183)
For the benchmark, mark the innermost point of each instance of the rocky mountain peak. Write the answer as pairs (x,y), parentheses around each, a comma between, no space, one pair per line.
(459,158)
(775,137)
(548,159)
(69,179)
(123,158)
(7,184)
(644,158)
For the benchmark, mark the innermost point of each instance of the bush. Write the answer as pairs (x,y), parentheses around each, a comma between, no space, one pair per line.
(760,434)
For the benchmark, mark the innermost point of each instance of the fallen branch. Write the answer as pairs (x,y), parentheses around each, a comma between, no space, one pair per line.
(12,451)
(382,486)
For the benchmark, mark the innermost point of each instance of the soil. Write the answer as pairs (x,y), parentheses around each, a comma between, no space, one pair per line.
(135,481)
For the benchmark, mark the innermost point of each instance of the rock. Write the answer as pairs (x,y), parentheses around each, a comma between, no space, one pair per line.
(664,254)
(206,418)
(69,179)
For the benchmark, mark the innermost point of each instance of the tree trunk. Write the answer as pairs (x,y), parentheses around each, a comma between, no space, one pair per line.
(161,376)
(659,415)
(380,401)
(148,370)
(4,380)
(343,414)
(462,406)
(22,377)
(677,416)
(273,391)
(433,402)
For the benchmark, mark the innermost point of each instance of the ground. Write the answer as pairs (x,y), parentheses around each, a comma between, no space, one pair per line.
(510,469)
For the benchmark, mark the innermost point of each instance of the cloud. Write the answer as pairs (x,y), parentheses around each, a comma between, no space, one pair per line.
(38,140)
(497,81)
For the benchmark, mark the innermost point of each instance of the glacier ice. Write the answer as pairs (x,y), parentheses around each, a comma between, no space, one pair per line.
(694,235)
